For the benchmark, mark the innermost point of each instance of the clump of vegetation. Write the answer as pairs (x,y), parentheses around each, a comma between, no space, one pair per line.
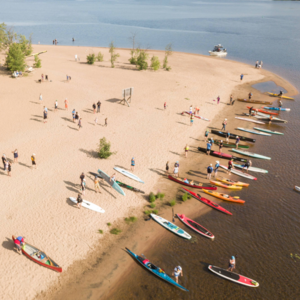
(37,62)
(99,57)
(187,98)
(26,45)
(148,212)
(100,231)
(152,197)
(172,202)
(108,224)
(15,59)
(184,197)
(141,61)
(160,196)
(130,220)
(104,149)
(115,231)
(155,211)
(91,58)
(152,205)
(113,54)
(168,52)
(134,51)
(155,63)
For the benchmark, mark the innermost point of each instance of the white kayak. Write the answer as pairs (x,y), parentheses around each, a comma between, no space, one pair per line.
(250,120)
(297,188)
(240,173)
(128,174)
(247,153)
(262,115)
(253,169)
(89,205)
(253,131)
(170,226)
(268,130)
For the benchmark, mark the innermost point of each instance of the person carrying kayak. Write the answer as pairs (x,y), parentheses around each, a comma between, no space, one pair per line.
(177,272)
(217,165)
(209,171)
(208,147)
(247,165)
(237,142)
(232,263)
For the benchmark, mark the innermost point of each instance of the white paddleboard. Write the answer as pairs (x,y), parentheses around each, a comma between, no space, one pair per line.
(250,120)
(242,174)
(88,205)
(128,174)
(253,169)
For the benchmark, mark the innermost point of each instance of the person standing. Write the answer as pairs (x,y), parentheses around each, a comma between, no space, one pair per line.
(232,102)
(177,272)
(55,105)
(165,105)
(9,169)
(211,142)
(250,110)
(176,170)
(45,113)
(224,124)
(73,115)
(256,64)
(191,109)
(237,142)
(98,106)
(197,110)
(79,201)
(279,103)
(250,95)
(217,165)
(167,167)
(79,124)
(16,155)
(76,116)
(191,119)
(206,134)
(75,57)
(261,63)
(241,77)
(247,165)
(105,122)
(66,104)
(208,147)
(209,171)
(231,98)
(41,97)
(33,161)
(218,100)
(132,164)
(94,107)
(186,149)
(4,161)
(83,185)
(232,264)
(227,136)
(230,166)
(220,146)
(96,184)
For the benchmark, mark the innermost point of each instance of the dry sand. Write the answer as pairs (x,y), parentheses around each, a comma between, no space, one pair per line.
(35,202)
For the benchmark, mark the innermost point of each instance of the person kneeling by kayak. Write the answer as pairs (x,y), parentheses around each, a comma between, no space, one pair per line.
(19,242)
(185,180)
(231,264)
(177,272)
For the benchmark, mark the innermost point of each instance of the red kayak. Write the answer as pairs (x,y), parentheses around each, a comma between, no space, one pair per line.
(208,202)
(195,184)
(195,226)
(263,111)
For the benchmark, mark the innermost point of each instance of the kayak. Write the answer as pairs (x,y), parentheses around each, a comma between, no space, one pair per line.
(170,226)
(254,101)
(129,187)
(263,111)
(195,184)
(223,155)
(199,117)
(276,108)
(233,136)
(247,153)
(157,271)
(112,183)
(208,202)
(253,169)
(250,120)
(226,185)
(229,145)
(237,172)
(128,174)
(195,226)
(239,183)
(253,131)
(284,97)
(40,257)
(237,278)
(269,131)
(274,120)
(224,197)
(297,188)
(88,205)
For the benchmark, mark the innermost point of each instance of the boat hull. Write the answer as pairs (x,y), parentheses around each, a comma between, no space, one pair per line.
(233,136)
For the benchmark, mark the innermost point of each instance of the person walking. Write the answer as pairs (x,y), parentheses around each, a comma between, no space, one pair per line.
(217,165)
(73,115)
(224,124)
(209,171)
(9,169)
(197,110)
(186,149)
(206,134)
(132,164)
(208,147)
(33,161)
(79,123)
(218,100)
(66,104)
(241,77)
(96,184)
(227,136)
(16,155)
(55,105)
(237,142)
(191,119)
(41,97)
(232,264)
(4,161)
(105,122)
(165,105)
(230,166)
(98,106)
(220,146)
(79,201)
(177,272)
(94,107)
(167,167)
(83,185)
(231,98)
(45,114)
(81,177)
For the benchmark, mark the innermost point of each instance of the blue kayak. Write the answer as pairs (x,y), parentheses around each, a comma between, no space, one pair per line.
(277,108)
(155,270)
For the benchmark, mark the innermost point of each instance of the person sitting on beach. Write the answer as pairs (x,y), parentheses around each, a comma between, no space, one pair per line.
(231,264)
(185,180)
(192,182)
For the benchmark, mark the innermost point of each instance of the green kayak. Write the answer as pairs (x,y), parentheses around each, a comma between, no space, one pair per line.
(229,145)
(247,153)
(268,131)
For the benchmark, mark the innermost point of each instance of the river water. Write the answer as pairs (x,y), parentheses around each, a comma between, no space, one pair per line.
(266,230)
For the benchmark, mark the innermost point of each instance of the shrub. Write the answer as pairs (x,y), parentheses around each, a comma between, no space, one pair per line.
(147,212)
(160,196)
(168,52)
(184,197)
(25,45)
(155,211)
(130,220)
(115,231)
(104,149)
(141,62)
(134,55)
(113,55)
(152,197)
(15,59)
(108,224)
(100,231)
(99,57)
(172,202)
(168,68)
(152,205)
(91,58)
(38,62)
(155,63)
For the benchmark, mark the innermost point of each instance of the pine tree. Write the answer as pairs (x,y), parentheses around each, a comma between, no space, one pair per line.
(15,60)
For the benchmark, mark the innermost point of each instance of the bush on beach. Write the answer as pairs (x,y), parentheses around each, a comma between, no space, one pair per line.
(172,202)
(91,58)
(15,59)
(104,149)
(38,62)
(113,55)
(155,63)
(115,231)
(99,57)
(141,61)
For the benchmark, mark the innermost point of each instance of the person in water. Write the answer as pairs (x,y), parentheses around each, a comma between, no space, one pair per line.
(231,266)
(177,272)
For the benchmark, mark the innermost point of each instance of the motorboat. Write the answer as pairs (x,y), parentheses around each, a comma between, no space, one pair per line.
(218,50)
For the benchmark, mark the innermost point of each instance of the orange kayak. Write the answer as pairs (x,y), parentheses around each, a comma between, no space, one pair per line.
(223,196)
(226,185)
(229,181)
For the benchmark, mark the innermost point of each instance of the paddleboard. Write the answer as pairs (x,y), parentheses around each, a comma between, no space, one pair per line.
(253,169)
(128,174)
(253,131)
(237,172)
(276,108)
(247,153)
(113,184)
(88,205)
(250,120)
(269,131)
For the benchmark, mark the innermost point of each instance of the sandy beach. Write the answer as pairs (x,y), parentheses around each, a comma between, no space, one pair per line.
(35,201)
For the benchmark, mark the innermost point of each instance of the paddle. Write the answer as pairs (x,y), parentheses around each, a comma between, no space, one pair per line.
(173,215)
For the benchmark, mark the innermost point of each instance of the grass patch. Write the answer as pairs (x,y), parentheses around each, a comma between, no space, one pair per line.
(187,98)
(130,220)
(155,211)
(160,196)
(108,224)
(100,231)
(185,197)
(172,202)
(148,212)
(115,231)
(152,197)
(152,205)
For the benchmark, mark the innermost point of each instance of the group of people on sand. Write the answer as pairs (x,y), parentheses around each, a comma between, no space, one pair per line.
(258,64)
(211,170)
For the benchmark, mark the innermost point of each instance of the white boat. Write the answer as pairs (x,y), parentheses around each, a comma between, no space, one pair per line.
(247,153)
(218,50)
(297,188)
(253,131)
(128,174)
(88,205)
(269,131)
(250,120)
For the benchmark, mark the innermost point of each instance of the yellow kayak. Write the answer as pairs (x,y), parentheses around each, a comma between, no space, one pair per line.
(223,196)
(283,97)
(226,185)
(238,183)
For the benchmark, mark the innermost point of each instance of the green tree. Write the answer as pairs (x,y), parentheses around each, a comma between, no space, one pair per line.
(7,36)
(38,62)
(113,55)
(104,149)
(91,58)
(99,57)
(15,59)
(26,45)
(141,61)
(168,52)
(155,63)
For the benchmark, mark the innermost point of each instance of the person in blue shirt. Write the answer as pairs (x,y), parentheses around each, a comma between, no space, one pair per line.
(242,76)
(132,164)
(185,180)
(217,165)
(208,147)
(232,264)
(209,171)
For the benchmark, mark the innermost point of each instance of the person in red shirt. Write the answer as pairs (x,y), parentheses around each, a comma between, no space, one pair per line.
(19,242)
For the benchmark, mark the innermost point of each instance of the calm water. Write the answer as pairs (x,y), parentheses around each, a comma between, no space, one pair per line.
(266,230)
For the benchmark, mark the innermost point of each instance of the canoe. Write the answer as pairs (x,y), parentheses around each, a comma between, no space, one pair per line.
(238,183)
(247,153)
(198,117)
(269,131)
(297,188)
(208,202)
(129,187)
(128,174)
(40,257)
(223,197)
(237,278)
(233,136)
(250,120)
(229,145)
(196,184)
(195,226)
(237,172)
(284,97)
(254,101)
(170,226)
(113,184)
(263,111)
(88,205)
(223,155)
(253,169)
(157,271)
(226,185)
(276,108)
(253,131)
